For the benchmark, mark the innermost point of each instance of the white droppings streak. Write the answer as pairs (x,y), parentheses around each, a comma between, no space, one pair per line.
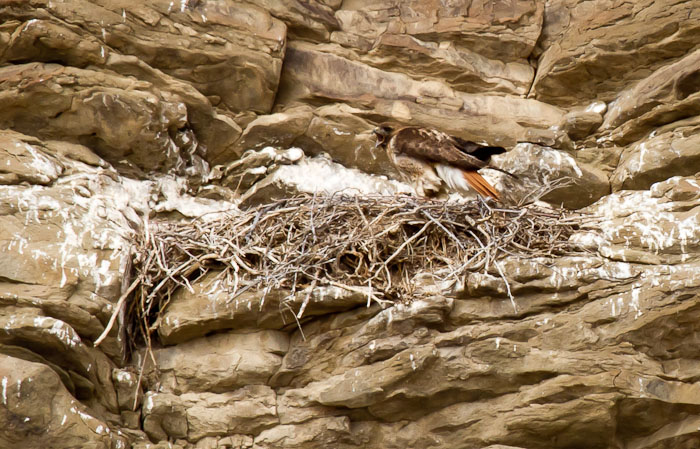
(4,390)
(323,176)
(338,132)
(634,303)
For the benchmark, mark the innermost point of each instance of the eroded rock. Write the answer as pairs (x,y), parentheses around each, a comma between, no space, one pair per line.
(658,157)
(193,416)
(37,411)
(595,349)
(669,94)
(311,75)
(552,175)
(232,361)
(212,307)
(116,116)
(593,50)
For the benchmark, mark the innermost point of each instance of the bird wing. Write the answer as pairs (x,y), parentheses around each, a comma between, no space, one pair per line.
(436,146)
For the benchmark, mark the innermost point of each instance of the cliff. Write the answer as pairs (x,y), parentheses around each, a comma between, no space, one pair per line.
(119,119)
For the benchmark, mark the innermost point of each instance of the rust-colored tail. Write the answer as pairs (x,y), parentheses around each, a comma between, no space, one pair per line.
(478,183)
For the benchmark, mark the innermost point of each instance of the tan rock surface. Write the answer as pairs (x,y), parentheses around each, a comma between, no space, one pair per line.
(210,308)
(664,92)
(312,75)
(658,157)
(232,361)
(115,113)
(591,50)
(541,169)
(231,51)
(37,411)
(193,416)
(473,47)
(117,116)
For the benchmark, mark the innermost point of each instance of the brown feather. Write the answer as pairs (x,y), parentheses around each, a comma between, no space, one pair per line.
(416,152)
(437,146)
(478,183)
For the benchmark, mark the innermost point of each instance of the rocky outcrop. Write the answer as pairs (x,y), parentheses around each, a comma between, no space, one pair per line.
(594,50)
(118,114)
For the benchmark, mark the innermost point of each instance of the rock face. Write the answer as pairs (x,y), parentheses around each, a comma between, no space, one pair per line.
(117,113)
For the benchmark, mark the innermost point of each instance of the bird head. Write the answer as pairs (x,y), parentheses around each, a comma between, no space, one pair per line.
(383,133)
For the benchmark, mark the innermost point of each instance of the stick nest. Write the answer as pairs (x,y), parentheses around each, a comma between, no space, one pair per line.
(376,245)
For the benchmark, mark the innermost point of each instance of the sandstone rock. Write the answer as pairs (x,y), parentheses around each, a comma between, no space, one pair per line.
(604,158)
(459,66)
(248,410)
(596,349)
(279,130)
(241,174)
(653,227)
(161,445)
(474,48)
(621,302)
(36,411)
(318,433)
(312,75)
(129,392)
(315,358)
(21,162)
(212,308)
(579,124)
(237,59)
(371,385)
(164,416)
(232,361)
(552,137)
(58,342)
(114,39)
(593,50)
(669,94)
(65,244)
(658,158)
(552,175)
(304,19)
(346,138)
(230,442)
(507,31)
(114,115)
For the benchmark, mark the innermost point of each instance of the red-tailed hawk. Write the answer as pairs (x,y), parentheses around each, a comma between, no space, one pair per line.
(426,158)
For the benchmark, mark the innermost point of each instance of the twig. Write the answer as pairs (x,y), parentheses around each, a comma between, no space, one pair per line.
(117,309)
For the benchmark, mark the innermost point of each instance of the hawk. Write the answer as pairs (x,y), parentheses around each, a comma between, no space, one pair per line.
(427,158)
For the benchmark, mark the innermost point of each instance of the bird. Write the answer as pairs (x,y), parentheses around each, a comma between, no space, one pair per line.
(427,158)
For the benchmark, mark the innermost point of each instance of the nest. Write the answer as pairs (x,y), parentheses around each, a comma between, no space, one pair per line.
(376,245)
